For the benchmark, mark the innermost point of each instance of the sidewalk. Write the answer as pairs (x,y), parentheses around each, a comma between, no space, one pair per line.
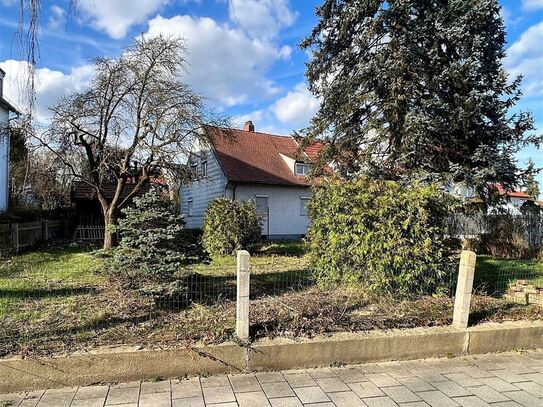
(510,379)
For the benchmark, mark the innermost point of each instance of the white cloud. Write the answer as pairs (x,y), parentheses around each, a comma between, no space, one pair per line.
(51,85)
(525,57)
(57,17)
(115,17)
(261,18)
(224,63)
(532,4)
(297,107)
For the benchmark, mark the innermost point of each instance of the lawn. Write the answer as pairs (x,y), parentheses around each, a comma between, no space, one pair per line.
(495,276)
(59,298)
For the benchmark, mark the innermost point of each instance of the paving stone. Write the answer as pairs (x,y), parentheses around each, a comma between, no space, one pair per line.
(366,389)
(415,404)
(253,399)
(506,404)
(189,402)
(524,399)
(11,397)
(532,388)
(328,404)
(535,377)
(516,367)
(214,381)
(56,399)
(488,394)
(508,376)
(219,394)
(350,375)
(321,373)
(286,402)
(155,387)
(396,370)
(245,383)
(369,368)
(463,379)
(155,400)
(277,389)
(400,394)
(382,379)
(498,384)
(125,385)
(380,402)
(332,384)
(186,389)
(452,389)
(476,372)
(270,377)
(27,403)
(437,399)
(416,384)
(299,379)
(91,392)
(96,402)
(471,401)
(61,390)
(430,376)
(346,399)
(313,394)
(230,404)
(123,395)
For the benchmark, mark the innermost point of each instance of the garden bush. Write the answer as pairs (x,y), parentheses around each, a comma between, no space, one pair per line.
(153,242)
(384,235)
(230,225)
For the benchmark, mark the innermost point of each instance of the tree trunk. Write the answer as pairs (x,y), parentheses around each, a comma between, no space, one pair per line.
(109,237)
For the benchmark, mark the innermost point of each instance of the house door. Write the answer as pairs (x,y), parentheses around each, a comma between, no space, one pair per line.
(263,209)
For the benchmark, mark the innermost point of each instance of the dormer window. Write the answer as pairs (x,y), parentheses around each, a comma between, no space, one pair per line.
(301,168)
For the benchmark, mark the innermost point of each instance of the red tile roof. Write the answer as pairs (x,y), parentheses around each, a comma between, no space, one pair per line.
(250,156)
(511,193)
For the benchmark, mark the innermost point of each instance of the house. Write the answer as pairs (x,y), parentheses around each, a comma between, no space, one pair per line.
(5,109)
(249,165)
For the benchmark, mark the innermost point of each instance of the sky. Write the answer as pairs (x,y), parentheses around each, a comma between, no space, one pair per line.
(243,54)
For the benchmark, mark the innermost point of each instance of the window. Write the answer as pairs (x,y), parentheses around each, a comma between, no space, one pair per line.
(301,168)
(303,205)
(203,168)
(189,210)
(261,203)
(193,169)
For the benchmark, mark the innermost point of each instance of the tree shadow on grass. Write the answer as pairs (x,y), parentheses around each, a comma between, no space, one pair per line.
(40,292)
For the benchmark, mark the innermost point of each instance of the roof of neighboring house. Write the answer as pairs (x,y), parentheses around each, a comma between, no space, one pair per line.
(83,191)
(512,193)
(251,156)
(8,106)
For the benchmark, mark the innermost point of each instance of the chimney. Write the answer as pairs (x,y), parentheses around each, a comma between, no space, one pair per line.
(2,74)
(249,126)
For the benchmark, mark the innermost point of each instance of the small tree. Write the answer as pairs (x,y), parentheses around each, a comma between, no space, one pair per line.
(532,185)
(230,225)
(153,243)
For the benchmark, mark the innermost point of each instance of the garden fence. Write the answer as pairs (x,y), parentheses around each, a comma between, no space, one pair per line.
(19,236)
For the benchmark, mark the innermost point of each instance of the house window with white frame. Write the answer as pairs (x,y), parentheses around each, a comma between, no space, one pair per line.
(189,207)
(203,168)
(301,168)
(303,205)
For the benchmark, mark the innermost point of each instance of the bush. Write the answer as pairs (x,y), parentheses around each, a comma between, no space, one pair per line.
(153,243)
(384,235)
(230,225)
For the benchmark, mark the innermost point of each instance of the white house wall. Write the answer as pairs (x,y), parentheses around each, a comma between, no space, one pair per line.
(202,192)
(285,218)
(4,162)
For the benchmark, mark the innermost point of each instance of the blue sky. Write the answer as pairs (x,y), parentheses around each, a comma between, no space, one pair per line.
(243,54)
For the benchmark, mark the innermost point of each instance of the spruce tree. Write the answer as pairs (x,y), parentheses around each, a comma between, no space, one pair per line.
(532,185)
(416,89)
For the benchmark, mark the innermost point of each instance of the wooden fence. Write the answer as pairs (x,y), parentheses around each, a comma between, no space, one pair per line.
(18,236)
(89,232)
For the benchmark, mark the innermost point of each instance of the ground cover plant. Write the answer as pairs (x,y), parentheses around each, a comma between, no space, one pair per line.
(59,298)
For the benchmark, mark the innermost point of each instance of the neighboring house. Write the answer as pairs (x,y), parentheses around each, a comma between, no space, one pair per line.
(248,165)
(5,109)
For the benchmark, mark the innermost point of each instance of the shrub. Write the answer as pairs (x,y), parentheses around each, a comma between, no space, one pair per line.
(384,235)
(153,242)
(230,225)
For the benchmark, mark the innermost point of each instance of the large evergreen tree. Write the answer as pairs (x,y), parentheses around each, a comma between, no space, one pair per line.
(416,88)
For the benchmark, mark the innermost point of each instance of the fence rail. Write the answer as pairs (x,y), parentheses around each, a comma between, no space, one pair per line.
(89,232)
(19,236)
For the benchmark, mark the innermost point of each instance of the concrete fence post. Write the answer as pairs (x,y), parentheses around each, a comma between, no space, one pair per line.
(242,298)
(15,236)
(464,289)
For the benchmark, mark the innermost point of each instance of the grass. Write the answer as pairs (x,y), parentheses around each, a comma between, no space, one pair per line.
(495,276)
(58,298)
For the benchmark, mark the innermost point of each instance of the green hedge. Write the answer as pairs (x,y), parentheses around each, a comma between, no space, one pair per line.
(384,235)
(230,225)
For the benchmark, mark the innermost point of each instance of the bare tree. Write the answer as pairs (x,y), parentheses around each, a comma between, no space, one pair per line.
(136,118)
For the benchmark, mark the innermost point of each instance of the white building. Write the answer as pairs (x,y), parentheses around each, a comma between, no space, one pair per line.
(5,109)
(248,165)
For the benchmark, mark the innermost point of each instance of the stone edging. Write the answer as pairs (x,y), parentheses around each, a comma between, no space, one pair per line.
(126,364)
